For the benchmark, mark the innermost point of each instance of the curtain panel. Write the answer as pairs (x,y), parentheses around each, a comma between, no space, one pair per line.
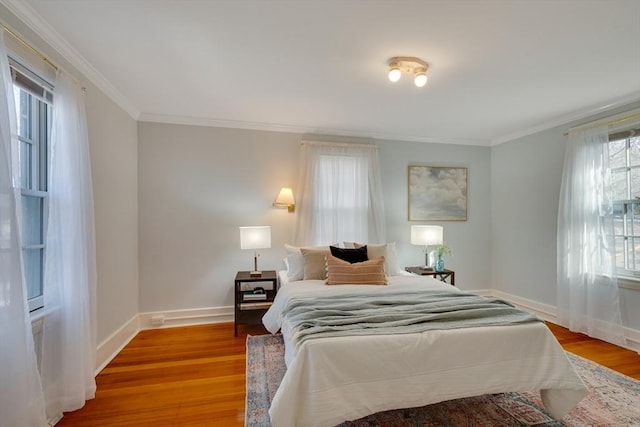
(588,299)
(340,194)
(69,331)
(22,402)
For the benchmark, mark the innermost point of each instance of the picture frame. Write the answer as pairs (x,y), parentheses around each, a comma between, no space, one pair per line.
(437,193)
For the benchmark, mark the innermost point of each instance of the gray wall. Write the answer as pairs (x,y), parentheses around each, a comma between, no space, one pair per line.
(469,240)
(114,166)
(525,190)
(197,185)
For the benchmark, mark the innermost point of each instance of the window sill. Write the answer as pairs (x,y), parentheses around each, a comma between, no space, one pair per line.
(629,282)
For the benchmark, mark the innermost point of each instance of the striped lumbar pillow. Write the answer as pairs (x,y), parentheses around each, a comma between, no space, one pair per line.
(369,272)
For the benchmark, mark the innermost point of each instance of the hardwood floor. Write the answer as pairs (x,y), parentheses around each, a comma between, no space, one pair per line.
(195,376)
(609,355)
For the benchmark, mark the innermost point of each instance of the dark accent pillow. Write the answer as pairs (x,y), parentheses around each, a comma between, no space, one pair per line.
(350,255)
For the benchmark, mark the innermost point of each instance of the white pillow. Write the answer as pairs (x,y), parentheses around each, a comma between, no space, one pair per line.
(295,263)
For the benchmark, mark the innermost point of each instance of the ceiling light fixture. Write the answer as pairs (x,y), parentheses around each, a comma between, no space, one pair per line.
(394,74)
(409,65)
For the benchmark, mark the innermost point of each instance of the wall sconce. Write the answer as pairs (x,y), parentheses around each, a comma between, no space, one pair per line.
(427,235)
(255,238)
(410,65)
(285,200)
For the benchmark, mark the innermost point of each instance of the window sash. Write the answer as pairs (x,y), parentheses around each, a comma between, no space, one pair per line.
(34,118)
(625,193)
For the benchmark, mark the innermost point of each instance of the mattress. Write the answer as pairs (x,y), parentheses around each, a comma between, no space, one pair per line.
(332,380)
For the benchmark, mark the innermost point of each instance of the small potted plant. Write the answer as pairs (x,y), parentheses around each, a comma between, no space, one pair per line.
(441,251)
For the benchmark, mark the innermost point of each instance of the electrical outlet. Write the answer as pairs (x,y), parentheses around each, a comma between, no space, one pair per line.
(157,320)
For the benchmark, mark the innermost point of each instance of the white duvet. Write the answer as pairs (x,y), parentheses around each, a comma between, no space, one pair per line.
(332,380)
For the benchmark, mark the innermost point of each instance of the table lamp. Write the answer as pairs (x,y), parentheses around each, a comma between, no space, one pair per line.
(427,235)
(255,238)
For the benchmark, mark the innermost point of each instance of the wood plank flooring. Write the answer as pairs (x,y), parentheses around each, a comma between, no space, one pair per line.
(617,358)
(195,376)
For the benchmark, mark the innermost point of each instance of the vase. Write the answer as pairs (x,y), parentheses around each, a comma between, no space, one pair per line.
(440,264)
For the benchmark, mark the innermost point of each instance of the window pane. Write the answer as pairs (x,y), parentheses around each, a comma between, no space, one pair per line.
(617,153)
(632,251)
(619,183)
(31,220)
(634,214)
(24,115)
(618,219)
(25,164)
(619,251)
(634,151)
(43,143)
(33,271)
(635,182)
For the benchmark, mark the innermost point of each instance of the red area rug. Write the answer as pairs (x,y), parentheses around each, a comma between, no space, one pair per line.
(613,401)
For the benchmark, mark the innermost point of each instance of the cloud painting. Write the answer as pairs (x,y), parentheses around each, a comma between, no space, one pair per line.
(437,193)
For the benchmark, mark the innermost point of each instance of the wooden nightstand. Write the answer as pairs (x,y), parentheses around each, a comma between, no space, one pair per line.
(442,275)
(251,304)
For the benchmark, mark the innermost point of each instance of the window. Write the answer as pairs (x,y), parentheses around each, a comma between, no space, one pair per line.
(341,198)
(33,113)
(624,163)
(340,195)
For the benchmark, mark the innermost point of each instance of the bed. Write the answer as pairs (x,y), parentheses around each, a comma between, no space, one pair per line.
(336,379)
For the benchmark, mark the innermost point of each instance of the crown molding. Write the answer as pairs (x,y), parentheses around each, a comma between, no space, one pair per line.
(276,127)
(568,118)
(38,25)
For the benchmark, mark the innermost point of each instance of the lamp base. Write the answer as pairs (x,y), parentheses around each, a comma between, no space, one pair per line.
(255,273)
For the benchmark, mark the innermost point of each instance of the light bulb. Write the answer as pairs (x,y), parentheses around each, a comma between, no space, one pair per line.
(394,74)
(420,80)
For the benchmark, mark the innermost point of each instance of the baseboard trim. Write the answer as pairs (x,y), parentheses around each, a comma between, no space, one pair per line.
(633,339)
(549,313)
(110,347)
(55,419)
(187,317)
(544,311)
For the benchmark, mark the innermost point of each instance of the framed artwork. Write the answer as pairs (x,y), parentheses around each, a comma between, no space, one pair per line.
(437,193)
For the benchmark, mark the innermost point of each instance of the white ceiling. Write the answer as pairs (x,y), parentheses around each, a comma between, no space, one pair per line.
(498,69)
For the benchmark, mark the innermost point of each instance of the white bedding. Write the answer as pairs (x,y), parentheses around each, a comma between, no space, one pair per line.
(332,380)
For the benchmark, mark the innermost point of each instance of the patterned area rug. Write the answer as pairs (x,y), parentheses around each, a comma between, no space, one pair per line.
(614,399)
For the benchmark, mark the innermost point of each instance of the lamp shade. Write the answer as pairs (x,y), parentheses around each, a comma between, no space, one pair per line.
(255,237)
(426,235)
(285,197)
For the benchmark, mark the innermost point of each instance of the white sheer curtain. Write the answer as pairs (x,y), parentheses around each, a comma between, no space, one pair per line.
(587,282)
(21,401)
(340,194)
(69,336)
